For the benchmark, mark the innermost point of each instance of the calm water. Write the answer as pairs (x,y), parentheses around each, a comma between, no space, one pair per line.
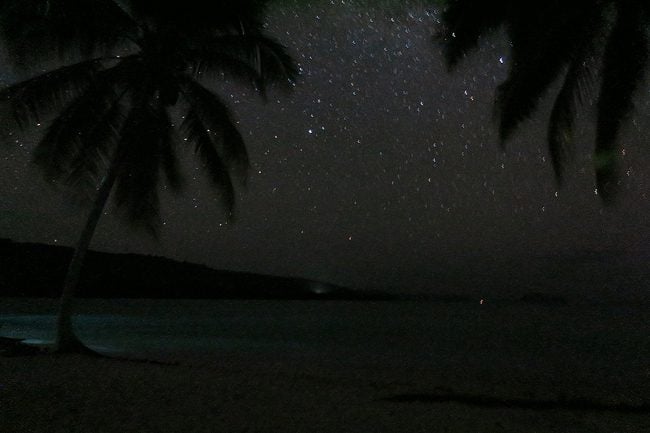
(609,345)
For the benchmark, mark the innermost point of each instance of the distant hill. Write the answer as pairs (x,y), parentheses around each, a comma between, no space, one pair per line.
(38,270)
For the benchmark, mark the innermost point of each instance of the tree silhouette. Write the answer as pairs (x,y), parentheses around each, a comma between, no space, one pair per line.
(582,42)
(129,68)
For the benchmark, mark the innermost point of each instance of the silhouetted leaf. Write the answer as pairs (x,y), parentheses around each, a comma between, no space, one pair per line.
(254,58)
(33,30)
(73,134)
(464,21)
(197,133)
(33,98)
(542,45)
(140,155)
(548,37)
(577,86)
(625,60)
(560,127)
(168,143)
(98,147)
(216,117)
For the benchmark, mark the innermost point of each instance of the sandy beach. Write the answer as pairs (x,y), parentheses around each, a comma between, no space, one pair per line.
(330,367)
(73,393)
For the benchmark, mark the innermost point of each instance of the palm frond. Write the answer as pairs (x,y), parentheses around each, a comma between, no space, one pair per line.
(211,63)
(35,97)
(548,37)
(252,57)
(576,89)
(624,63)
(543,43)
(198,134)
(561,122)
(275,64)
(169,156)
(97,146)
(464,22)
(201,133)
(215,116)
(70,135)
(518,97)
(35,29)
(140,153)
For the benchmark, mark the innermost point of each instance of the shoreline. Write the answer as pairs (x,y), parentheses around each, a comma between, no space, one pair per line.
(310,367)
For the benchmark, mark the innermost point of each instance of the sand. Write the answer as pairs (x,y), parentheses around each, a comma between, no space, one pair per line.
(73,393)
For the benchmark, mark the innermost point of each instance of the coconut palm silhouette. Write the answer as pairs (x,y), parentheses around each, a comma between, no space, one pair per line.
(582,43)
(110,109)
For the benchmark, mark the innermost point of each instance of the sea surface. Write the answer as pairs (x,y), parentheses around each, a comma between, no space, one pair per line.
(591,346)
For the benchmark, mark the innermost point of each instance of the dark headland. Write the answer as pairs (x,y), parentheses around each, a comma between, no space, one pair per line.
(38,270)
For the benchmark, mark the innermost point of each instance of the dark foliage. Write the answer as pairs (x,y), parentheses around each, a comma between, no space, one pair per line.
(129,68)
(580,43)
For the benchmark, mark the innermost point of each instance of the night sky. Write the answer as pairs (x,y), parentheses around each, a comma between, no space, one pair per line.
(380,169)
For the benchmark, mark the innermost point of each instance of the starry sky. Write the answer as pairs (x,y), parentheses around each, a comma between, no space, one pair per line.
(380,170)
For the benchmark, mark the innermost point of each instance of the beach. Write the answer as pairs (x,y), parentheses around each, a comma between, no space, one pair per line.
(290,386)
(83,394)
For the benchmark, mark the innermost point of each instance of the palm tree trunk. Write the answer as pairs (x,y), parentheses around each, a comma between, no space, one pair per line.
(66,340)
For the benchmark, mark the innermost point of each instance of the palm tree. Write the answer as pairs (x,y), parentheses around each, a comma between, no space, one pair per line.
(583,42)
(110,110)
